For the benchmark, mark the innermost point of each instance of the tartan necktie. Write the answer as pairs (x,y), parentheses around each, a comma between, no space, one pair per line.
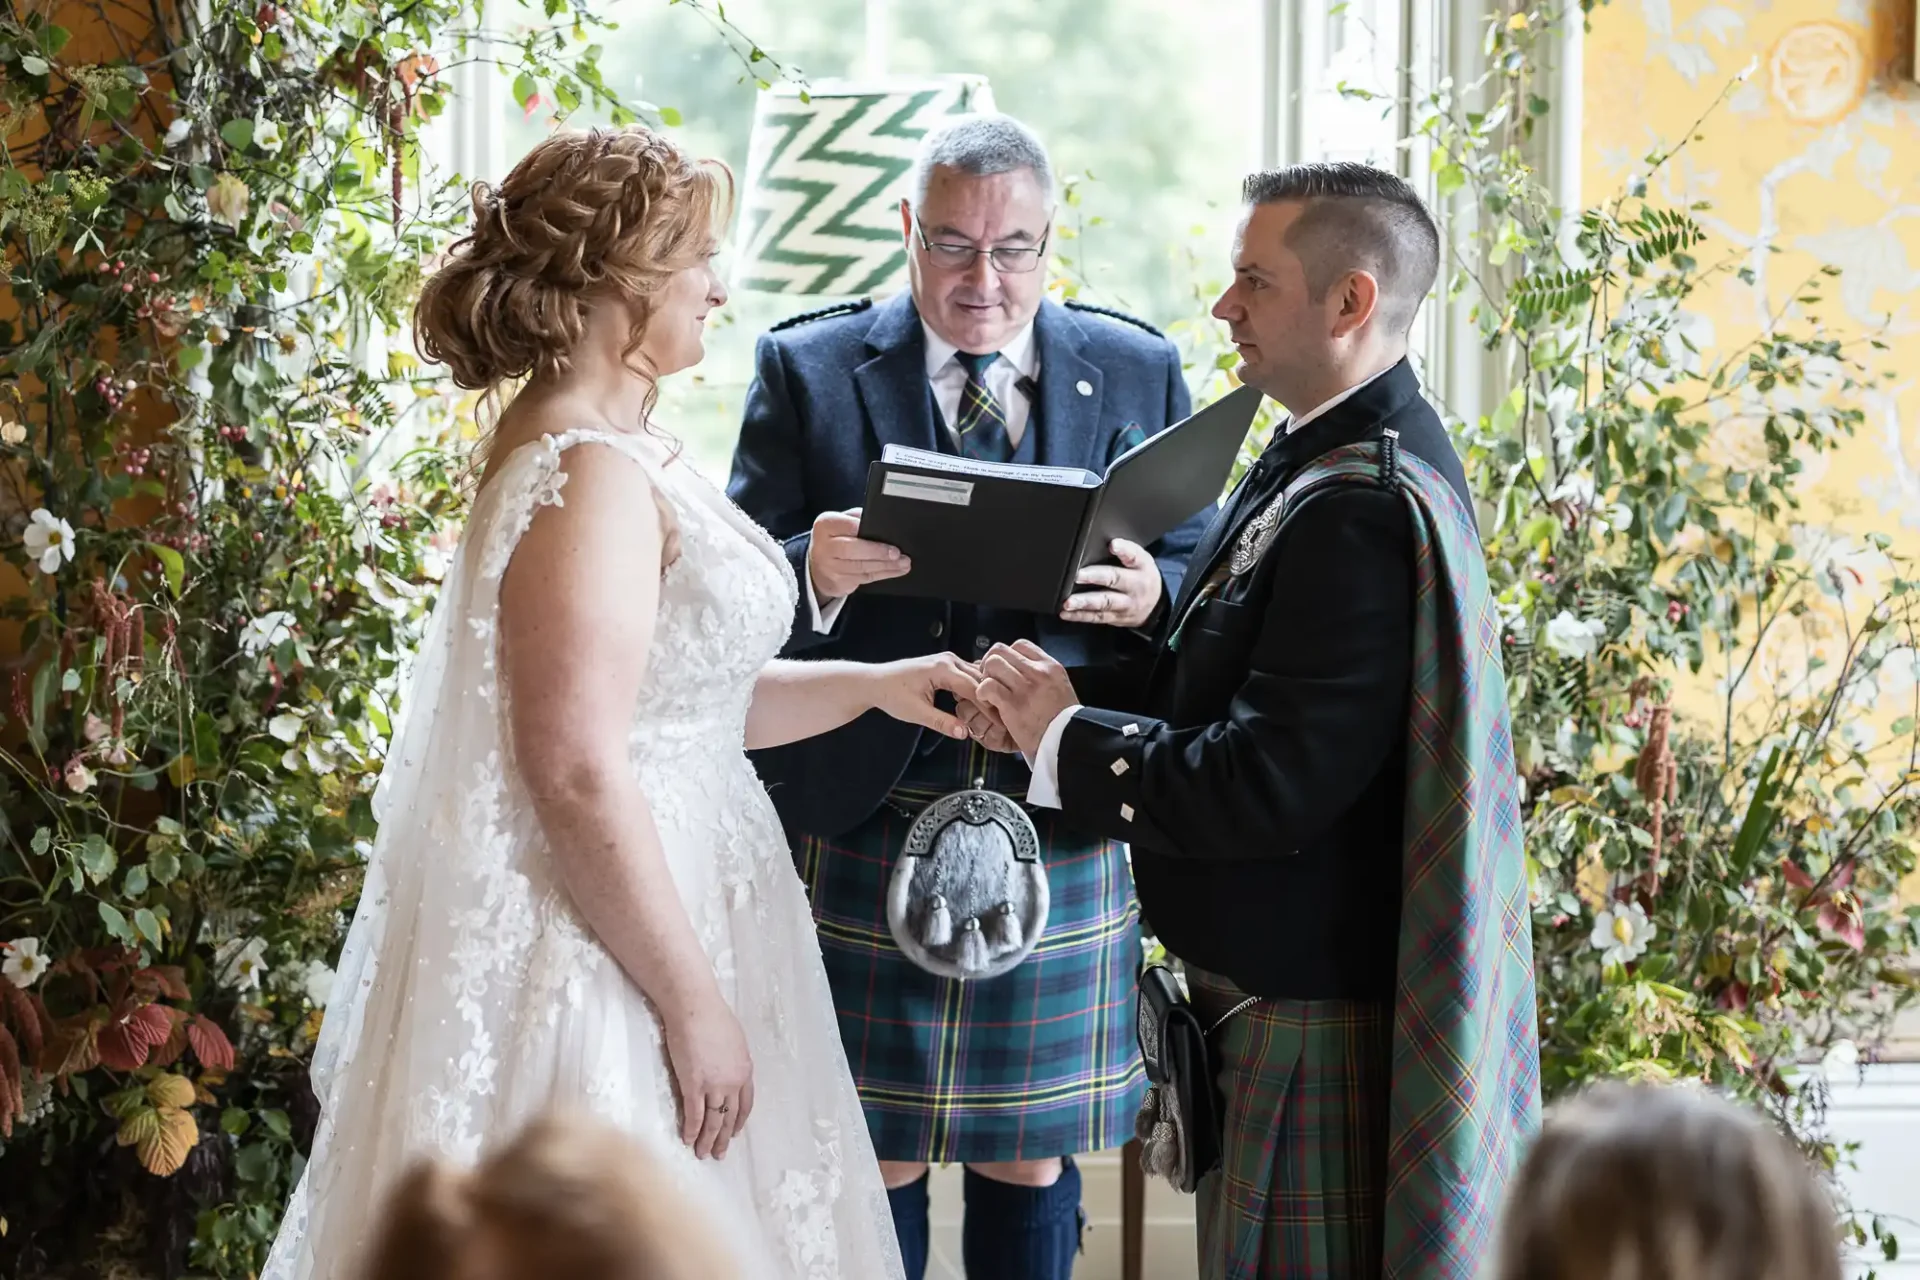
(982,421)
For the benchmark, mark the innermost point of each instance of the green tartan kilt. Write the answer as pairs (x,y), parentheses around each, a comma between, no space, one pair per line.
(1038,1062)
(1301,1187)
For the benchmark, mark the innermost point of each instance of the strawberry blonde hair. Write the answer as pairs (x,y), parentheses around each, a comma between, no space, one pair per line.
(570,1199)
(1646,1183)
(585,217)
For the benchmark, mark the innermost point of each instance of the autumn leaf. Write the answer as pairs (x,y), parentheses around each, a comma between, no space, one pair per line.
(74,1045)
(126,1102)
(210,1043)
(13,1100)
(139,1125)
(175,1044)
(29,1017)
(168,980)
(201,1093)
(127,1042)
(170,1090)
(168,1149)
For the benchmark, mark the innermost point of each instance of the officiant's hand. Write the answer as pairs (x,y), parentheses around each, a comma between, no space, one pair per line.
(1027,689)
(1124,595)
(840,561)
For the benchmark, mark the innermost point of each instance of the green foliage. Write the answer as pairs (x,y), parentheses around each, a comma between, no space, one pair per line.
(1713,698)
(213,571)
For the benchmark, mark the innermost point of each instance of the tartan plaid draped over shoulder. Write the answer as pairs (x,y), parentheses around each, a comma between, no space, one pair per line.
(1465,1084)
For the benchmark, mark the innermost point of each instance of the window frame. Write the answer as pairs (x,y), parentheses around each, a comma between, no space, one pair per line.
(1435,42)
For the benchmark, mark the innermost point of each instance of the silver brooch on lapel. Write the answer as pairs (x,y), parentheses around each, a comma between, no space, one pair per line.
(1253,540)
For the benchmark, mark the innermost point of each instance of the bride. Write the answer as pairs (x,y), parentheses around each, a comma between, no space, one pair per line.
(581,893)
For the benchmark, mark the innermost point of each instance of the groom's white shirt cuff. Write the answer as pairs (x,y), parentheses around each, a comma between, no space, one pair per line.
(1044,791)
(823,614)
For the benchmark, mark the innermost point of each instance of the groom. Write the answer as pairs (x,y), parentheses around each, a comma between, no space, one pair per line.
(1012,1075)
(1316,778)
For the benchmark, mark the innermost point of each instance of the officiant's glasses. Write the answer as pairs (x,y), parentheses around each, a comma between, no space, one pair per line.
(1011,259)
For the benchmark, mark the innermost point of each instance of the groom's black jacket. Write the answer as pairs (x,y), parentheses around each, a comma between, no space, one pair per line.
(1263,759)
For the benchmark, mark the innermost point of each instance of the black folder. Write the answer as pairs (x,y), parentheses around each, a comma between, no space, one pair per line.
(1016,537)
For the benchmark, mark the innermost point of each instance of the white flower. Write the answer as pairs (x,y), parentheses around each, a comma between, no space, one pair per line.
(24,963)
(1621,933)
(177,131)
(1576,492)
(12,432)
(1740,444)
(266,631)
(318,984)
(266,134)
(1840,564)
(49,539)
(1618,517)
(285,726)
(79,777)
(1841,1059)
(227,200)
(37,1095)
(242,962)
(1575,637)
(1692,542)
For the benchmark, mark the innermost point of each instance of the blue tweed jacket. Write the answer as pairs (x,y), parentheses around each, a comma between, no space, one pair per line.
(830,389)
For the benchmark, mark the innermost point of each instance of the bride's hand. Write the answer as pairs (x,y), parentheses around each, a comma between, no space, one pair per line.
(905,690)
(714,1071)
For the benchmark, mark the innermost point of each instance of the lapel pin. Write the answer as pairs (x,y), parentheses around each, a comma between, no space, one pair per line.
(1084,387)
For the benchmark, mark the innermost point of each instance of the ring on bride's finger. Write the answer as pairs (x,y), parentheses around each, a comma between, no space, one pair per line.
(723,1108)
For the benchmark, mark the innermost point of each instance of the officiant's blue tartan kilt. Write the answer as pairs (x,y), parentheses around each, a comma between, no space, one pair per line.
(1038,1062)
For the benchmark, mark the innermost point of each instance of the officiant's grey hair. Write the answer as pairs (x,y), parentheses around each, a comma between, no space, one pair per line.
(981,145)
(1357,218)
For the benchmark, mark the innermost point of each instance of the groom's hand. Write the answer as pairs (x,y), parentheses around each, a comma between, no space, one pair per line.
(1027,689)
(1124,595)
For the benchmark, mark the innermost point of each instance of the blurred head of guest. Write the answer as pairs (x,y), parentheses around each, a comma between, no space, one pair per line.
(978,218)
(1645,1183)
(569,1197)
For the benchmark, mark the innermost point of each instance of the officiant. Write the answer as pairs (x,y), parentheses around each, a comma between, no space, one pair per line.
(1012,1075)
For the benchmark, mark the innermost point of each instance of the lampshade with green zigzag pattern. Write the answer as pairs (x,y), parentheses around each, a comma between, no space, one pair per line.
(824,178)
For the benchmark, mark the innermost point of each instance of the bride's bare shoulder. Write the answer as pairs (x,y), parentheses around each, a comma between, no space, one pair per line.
(600,480)
(525,424)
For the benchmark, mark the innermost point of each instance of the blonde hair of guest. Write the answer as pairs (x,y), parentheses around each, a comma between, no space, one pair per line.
(569,1197)
(1648,1183)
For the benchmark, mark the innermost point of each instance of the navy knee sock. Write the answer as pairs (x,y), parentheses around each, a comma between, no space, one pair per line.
(909,1205)
(1021,1233)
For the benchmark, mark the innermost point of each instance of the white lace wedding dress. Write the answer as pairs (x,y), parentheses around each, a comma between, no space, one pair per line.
(470,993)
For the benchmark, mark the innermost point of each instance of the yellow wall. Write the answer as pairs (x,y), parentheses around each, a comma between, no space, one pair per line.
(1818,151)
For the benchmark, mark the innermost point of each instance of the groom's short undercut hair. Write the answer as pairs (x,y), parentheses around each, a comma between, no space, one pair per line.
(1357,218)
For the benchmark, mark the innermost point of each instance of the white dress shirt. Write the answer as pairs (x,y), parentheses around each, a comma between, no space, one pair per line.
(1019,360)
(1044,790)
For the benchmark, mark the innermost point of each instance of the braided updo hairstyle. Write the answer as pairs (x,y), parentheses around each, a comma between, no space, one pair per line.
(584,217)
